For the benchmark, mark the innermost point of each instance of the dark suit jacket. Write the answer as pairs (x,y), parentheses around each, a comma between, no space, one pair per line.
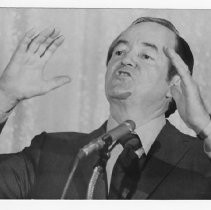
(176,168)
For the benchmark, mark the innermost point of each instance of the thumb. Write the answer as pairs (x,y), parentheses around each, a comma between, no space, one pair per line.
(175,93)
(56,82)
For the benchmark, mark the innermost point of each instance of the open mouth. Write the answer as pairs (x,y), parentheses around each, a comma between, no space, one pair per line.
(123,73)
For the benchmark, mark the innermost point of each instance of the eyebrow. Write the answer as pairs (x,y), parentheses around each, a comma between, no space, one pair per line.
(120,41)
(147,44)
(150,45)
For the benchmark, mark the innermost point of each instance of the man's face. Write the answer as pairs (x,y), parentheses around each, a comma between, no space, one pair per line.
(137,70)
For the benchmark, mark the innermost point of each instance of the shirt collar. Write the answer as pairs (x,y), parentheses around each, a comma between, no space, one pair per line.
(147,132)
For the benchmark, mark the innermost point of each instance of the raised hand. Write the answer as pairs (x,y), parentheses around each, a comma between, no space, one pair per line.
(186,93)
(23,77)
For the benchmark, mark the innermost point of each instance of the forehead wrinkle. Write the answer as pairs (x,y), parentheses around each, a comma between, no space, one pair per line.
(150,45)
(164,35)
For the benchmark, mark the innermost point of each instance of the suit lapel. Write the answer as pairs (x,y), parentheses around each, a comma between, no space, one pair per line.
(166,152)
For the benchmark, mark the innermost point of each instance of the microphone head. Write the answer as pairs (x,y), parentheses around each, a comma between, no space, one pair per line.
(113,135)
(122,129)
(131,125)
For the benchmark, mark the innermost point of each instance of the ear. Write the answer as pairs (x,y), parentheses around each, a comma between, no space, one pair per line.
(174,81)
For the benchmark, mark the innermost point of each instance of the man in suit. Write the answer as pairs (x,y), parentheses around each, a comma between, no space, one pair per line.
(144,75)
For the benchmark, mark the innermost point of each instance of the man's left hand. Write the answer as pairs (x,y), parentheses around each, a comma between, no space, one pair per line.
(187,95)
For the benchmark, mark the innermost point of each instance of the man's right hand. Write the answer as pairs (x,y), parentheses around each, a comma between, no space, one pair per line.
(23,77)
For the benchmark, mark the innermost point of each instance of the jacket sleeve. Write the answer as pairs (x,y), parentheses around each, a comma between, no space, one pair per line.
(18,171)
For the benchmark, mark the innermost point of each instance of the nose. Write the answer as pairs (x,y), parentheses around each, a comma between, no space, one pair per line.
(128,60)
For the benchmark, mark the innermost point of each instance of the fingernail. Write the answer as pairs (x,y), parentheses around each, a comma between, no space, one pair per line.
(67,80)
(31,32)
(49,29)
(170,51)
(165,50)
(61,37)
(52,30)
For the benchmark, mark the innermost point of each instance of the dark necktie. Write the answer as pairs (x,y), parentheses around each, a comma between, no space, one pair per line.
(127,169)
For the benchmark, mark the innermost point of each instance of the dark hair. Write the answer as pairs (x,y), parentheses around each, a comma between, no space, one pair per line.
(182,48)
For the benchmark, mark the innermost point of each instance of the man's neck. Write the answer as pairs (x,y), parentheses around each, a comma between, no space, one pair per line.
(140,116)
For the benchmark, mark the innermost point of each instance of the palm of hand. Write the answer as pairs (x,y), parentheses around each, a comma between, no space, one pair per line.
(23,77)
(190,105)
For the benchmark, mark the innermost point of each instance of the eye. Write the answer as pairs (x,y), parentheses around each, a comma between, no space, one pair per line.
(146,57)
(119,52)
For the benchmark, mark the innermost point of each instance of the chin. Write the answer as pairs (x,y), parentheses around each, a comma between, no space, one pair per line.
(120,95)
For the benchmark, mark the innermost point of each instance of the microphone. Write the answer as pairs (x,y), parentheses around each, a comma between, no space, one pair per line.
(97,144)
(107,138)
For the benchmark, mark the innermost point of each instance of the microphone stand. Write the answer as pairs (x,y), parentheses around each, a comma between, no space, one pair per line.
(104,156)
(75,165)
(99,168)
